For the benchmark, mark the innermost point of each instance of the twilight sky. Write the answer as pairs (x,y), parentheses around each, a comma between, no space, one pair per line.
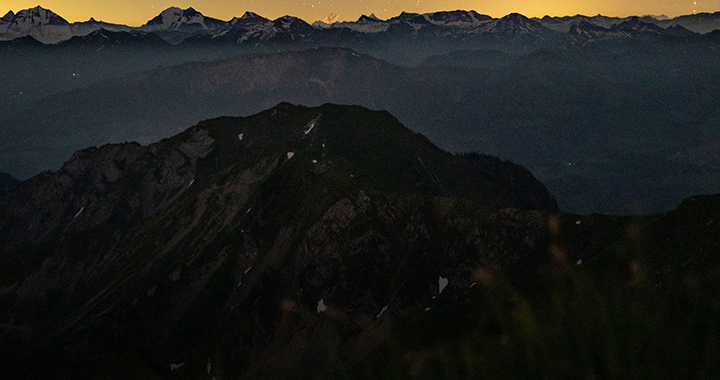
(137,12)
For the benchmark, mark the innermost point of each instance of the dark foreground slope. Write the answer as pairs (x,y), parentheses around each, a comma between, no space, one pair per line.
(223,240)
(7,181)
(645,305)
(332,242)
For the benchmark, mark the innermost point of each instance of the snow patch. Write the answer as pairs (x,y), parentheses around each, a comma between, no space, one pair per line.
(174,366)
(314,161)
(79,212)
(247,270)
(290,155)
(240,136)
(472,285)
(310,127)
(427,309)
(579,222)
(382,311)
(193,181)
(442,283)
(321,306)
(579,262)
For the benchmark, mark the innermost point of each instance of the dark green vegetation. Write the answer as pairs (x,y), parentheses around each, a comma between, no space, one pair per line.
(644,307)
(214,249)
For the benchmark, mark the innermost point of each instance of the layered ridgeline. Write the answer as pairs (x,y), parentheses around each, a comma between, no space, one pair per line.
(603,132)
(332,242)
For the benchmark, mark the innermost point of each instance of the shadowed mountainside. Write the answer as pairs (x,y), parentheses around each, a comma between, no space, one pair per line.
(332,242)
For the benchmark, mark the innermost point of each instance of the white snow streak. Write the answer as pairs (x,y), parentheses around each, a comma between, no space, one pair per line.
(382,311)
(290,155)
(321,306)
(442,283)
(79,212)
(174,366)
(310,128)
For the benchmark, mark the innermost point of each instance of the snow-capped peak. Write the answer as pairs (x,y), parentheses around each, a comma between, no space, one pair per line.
(249,18)
(37,16)
(457,18)
(514,23)
(40,23)
(176,19)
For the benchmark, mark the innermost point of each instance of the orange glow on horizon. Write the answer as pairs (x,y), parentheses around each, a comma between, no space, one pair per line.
(138,12)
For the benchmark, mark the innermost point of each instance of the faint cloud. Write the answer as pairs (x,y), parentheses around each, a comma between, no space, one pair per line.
(331,18)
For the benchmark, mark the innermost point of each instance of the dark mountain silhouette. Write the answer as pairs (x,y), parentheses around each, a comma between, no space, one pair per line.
(103,38)
(335,205)
(27,42)
(7,181)
(332,241)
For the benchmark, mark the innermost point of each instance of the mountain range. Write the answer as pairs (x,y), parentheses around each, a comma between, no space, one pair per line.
(176,24)
(605,134)
(615,115)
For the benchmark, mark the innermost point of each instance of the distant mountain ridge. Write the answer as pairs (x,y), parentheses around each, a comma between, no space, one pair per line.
(175,24)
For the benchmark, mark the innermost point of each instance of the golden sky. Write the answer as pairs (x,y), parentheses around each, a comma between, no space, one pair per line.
(137,12)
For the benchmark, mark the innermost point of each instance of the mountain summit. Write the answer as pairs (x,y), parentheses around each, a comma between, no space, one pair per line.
(42,24)
(183,20)
(332,207)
